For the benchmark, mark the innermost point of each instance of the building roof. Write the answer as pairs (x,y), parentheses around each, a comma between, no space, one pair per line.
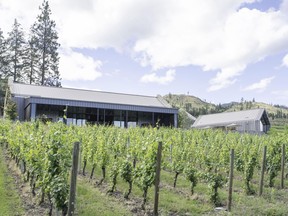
(27,91)
(228,118)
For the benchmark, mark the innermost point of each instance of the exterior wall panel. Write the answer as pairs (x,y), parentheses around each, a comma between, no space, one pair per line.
(20,102)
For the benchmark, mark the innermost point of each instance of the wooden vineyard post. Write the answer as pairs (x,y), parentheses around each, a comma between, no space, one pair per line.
(5,103)
(157,179)
(231,179)
(262,171)
(80,159)
(282,166)
(72,194)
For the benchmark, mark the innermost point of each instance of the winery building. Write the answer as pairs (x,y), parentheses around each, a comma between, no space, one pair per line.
(254,121)
(93,107)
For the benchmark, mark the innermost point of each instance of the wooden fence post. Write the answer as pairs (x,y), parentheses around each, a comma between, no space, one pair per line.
(80,158)
(72,194)
(282,166)
(157,179)
(231,180)
(262,171)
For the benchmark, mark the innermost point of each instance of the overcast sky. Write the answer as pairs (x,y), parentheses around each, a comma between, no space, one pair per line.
(218,50)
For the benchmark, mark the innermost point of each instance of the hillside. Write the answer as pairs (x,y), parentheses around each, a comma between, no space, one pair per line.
(184,101)
(195,106)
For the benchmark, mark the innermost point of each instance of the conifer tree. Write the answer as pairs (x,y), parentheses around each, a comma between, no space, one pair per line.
(16,46)
(4,66)
(31,62)
(45,34)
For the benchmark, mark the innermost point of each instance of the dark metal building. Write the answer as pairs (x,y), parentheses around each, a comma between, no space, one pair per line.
(94,107)
(248,121)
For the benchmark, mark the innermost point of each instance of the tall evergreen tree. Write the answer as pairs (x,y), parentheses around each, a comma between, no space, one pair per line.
(45,34)
(4,66)
(16,45)
(31,62)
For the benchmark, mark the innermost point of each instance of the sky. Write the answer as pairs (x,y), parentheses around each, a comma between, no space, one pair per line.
(217,50)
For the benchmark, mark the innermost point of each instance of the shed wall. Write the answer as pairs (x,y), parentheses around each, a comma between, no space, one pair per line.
(20,103)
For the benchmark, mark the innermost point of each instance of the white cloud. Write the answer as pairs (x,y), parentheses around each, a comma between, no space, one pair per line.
(225,78)
(163,80)
(227,40)
(285,61)
(24,11)
(219,35)
(76,66)
(259,86)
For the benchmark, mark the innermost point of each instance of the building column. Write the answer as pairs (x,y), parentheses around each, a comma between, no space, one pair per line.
(126,119)
(97,115)
(153,119)
(33,112)
(175,120)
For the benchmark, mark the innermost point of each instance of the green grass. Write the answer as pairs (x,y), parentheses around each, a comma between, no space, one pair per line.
(179,201)
(10,203)
(90,201)
(170,200)
(93,200)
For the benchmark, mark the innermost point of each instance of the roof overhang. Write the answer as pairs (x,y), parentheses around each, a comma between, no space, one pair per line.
(63,102)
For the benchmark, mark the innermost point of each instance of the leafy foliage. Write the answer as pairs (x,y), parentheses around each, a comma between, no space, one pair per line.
(198,155)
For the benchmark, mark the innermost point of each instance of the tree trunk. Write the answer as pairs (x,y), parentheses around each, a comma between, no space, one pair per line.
(84,167)
(126,196)
(144,198)
(175,179)
(92,172)
(103,175)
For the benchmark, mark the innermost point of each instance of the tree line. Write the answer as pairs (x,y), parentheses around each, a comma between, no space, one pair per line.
(31,59)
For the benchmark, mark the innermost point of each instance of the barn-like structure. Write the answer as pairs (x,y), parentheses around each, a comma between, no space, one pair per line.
(94,107)
(247,121)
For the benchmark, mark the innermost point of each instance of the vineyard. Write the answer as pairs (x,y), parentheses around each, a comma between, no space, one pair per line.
(195,164)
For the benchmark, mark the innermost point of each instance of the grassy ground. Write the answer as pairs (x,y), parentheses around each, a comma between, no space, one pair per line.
(179,201)
(10,203)
(91,200)
(94,200)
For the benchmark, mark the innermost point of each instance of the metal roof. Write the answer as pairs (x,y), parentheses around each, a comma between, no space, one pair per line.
(27,91)
(228,118)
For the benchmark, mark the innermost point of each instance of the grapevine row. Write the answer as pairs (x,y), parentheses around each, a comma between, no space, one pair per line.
(45,150)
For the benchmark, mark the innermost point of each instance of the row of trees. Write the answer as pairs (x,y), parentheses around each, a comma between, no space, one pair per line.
(33,59)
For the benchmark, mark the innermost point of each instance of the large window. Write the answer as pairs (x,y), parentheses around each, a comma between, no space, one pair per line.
(132,119)
(119,118)
(145,119)
(163,119)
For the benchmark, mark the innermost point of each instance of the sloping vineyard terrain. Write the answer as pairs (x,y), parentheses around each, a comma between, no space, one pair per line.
(120,164)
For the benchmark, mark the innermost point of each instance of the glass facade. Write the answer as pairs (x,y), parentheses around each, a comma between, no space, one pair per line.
(119,118)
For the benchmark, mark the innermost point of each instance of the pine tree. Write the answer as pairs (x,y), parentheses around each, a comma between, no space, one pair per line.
(4,66)
(43,30)
(31,61)
(10,107)
(16,45)
(3,87)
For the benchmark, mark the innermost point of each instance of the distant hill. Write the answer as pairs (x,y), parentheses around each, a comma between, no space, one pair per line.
(185,100)
(278,114)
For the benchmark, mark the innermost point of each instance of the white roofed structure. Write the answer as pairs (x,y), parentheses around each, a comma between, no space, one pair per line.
(92,106)
(250,121)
